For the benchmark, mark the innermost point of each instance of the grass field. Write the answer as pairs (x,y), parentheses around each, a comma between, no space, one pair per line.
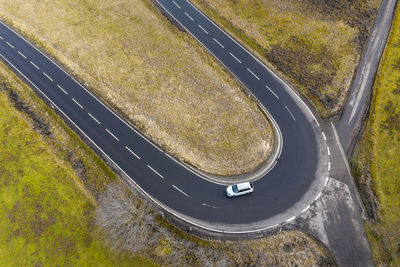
(158,77)
(46,213)
(315,47)
(378,157)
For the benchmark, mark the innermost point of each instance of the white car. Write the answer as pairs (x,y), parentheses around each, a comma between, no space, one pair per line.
(239,189)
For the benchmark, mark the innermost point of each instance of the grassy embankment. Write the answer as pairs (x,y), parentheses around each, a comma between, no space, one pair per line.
(50,185)
(376,162)
(316,48)
(46,212)
(157,77)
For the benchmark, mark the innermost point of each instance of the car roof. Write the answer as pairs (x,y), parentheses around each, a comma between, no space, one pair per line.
(245,185)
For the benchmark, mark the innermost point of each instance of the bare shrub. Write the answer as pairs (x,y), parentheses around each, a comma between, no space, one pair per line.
(128,221)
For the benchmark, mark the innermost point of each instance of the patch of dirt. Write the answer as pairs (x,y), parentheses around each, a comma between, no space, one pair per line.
(39,124)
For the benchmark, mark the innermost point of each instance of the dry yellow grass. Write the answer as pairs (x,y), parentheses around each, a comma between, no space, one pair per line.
(155,75)
(313,47)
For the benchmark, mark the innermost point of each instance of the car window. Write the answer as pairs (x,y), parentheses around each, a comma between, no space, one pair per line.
(235,188)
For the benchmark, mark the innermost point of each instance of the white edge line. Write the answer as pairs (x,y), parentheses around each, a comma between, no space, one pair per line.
(326,181)
(155,171)
(272,91)
(204,30)
(132,152)
(316,198)
(323,134)
(62,89)
(48,77)
(181,191)
(305,209)
(189,16)
(76,102)
(19,52)
(291,219)
(290,113)
(215,40)
(93,118)
(253,73)
(108,131)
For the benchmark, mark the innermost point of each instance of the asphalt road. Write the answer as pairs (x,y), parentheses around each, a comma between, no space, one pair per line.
(163,179)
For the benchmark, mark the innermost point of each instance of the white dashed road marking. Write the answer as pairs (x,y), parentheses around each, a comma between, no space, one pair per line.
(180,191)
(176,4)
(76,102)
(48,77)
(22,54)
(253,74)
(34,65)
(108,131)
(10,45)
(323,134)
(132,152)
(1,37)
(329,166)
(189,16)
(326,181)
(65,92)
(215,40)
(204,30)
(210,206)
(290,113)
(235,57)
(272,91)
(94,118)
(155,171)
(329,151)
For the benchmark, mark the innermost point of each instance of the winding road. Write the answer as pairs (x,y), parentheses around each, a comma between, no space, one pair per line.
(304,158)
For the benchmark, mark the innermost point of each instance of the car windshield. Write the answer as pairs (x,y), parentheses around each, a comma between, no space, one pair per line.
(234,188)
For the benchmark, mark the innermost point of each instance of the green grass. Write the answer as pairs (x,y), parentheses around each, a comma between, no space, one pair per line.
(380,150)
(46,212)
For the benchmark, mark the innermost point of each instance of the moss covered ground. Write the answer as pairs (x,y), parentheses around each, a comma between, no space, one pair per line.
(377,159)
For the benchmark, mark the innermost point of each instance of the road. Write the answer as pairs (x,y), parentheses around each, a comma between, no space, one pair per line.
(303,160)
